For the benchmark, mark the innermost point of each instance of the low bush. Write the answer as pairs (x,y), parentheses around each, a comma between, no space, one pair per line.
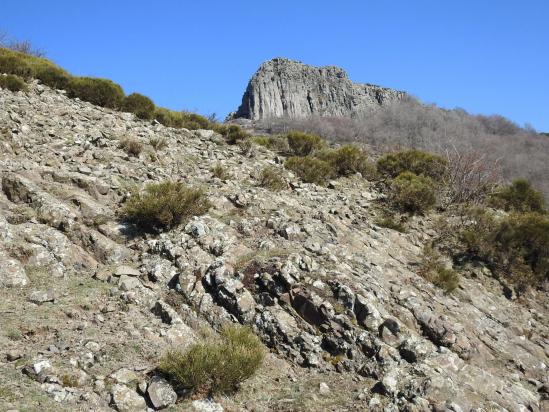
(310,169)
(131,146)
(158,143)
(101,92)
(164,205)
(12,83)
(347,160)
(182,120)
(271,178)
(140,105)
(220,172)
(216,366)
(15,63)
(433,269)
(303,144)
(412,193)
(232,133)
(515,246)
(520,196)
(390,223)
(415,161)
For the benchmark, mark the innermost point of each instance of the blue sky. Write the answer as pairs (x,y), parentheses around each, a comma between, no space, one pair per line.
(486,56)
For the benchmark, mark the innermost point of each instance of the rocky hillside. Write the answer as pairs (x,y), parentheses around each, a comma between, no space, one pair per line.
(88,304)
(286,88)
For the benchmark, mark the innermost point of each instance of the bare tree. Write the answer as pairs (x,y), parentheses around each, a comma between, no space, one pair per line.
(21,46)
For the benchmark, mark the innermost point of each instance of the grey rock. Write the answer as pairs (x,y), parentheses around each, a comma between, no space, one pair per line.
(283,87)
(206,405)
(127,400)
(161,393)
(12,273)
(40,297)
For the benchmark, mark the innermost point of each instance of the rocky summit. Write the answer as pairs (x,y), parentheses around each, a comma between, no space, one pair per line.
(287,88)
(88,304)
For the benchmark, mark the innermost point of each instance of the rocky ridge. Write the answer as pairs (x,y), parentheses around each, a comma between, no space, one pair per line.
(287,88)
(88,305)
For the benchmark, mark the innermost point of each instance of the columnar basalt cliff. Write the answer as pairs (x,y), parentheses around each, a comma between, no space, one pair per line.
(283,87)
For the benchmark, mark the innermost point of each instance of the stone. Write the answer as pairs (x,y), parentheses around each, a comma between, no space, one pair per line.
(127,283)
(127,400)
(206,405)
(286,88)
(161,393)
(40,297)
(324,389)
(12,273)
(124,376)
(126,271)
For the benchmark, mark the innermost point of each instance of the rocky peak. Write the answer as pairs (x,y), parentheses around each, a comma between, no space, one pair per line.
(283,87)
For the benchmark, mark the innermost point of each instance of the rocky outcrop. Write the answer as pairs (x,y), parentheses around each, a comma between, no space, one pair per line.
(88,307)
(286,88)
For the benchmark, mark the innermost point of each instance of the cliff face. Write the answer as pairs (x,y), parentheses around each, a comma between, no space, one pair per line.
(283,87)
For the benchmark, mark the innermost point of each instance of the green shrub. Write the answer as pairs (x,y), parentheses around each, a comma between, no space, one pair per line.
(131,146)
(433,269)
(140,105)
(216,366)
(347,160)
(310,169)
(412,193)
(303,144)
(27,66)
(415,161)
(220,172)
(12,83)
(271,178)
(158,143)
(390,223)
(164,205)
(515,246)
(520,196)
(232,133)
(15,63)
(182,120)
(101,92)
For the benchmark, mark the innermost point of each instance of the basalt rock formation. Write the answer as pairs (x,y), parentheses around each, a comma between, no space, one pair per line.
(283,87)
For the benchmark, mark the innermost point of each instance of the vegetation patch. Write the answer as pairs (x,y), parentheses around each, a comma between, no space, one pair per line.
(271,178)
(217,365)
(164,205)
(232,133)
(414,161)
(390,223)
(13,83)
(310,169)
(131,146)
(514,246)
(347,160)
(433,269)
(220,172)
(520,196)
(101,92)
(140,105)
(303,144)
(412,193)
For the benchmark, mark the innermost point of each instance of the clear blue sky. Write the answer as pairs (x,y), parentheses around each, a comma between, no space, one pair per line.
(486,56)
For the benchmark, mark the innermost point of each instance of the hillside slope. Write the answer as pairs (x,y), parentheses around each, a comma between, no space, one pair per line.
(88,304)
